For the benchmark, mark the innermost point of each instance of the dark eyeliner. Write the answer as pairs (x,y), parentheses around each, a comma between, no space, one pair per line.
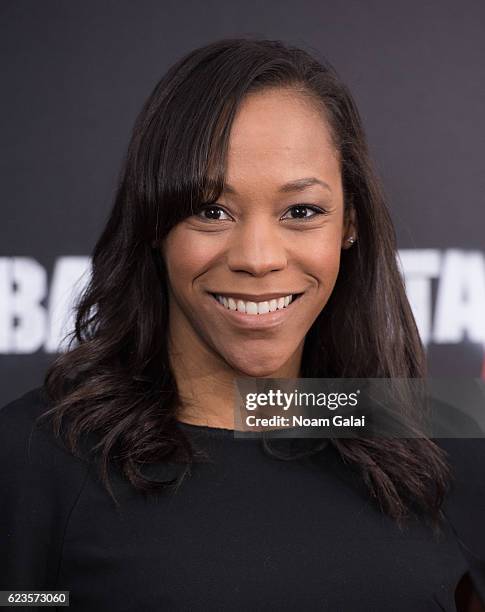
(203,207)
(317,210)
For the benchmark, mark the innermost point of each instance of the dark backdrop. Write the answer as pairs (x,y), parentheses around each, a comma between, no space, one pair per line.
(75,74)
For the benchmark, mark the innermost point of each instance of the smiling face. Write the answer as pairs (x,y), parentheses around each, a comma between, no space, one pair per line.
(276,231)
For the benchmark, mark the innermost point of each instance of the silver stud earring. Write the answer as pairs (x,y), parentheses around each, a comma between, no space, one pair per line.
(351,240)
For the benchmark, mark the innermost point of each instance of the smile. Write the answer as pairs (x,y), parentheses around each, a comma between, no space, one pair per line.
(255,308)
(255,320)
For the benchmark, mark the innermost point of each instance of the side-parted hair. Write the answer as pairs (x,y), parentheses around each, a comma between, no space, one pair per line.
(115,380)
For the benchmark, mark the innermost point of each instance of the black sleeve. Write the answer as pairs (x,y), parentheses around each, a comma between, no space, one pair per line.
(40,483)
(465,505)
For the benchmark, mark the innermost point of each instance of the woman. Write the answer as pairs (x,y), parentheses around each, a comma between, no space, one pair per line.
(249,237)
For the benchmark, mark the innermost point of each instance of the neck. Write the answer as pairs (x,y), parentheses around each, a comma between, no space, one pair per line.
(206,383)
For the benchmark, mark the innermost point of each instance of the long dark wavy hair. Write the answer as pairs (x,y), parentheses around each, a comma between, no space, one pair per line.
(115,380)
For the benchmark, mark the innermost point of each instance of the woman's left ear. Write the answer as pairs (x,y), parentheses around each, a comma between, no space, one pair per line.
(349,234)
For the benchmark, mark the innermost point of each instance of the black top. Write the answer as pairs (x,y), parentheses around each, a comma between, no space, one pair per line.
(243,532)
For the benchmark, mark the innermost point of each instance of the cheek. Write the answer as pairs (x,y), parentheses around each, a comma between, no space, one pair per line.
(187,256)
(321,258)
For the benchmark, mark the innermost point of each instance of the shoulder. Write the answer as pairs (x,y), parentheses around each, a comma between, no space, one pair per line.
(21,413)
(466,457)
(18,420)
(29,446)
(40,483)
(462,439)
(464,505)
(464,452)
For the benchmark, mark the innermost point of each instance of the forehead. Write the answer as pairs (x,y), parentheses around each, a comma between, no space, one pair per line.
(280,134)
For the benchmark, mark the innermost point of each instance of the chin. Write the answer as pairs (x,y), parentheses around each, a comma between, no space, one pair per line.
(257,368)
(255,372)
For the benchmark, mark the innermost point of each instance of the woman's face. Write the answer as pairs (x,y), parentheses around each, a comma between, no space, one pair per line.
(277,231)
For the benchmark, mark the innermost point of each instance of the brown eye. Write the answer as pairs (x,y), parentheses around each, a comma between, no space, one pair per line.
(301,211)
(211,213)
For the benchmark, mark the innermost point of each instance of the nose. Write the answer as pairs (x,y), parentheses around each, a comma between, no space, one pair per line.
(257,247)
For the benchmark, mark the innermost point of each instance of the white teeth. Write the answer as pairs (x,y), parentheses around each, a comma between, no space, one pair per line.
(254,308)
(241,306)
(251,308)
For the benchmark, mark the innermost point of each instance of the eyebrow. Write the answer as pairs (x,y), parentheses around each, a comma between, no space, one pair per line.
(292,186)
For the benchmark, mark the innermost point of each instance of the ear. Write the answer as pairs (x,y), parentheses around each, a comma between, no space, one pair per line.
(349,229)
